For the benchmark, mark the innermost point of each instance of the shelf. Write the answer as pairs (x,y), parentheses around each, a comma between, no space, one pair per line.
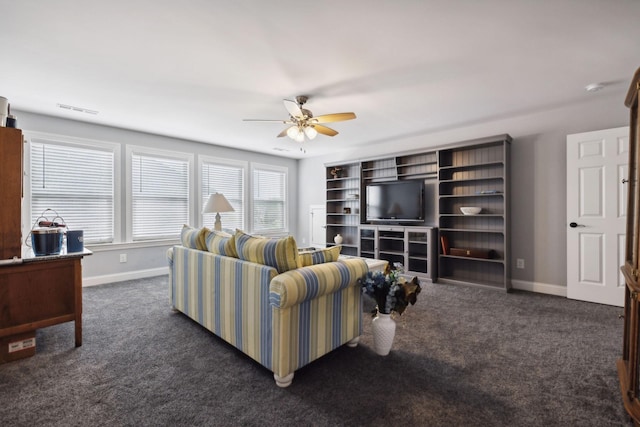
(463,180)
(468,258)
(407,165)
(378,168)
(342,200)
(391,252)
(419,175)
(457,196)
(472,165)
(355,189)
(347,178)
(471,230)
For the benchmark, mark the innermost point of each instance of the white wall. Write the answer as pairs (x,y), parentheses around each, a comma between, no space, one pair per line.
(149,258)
(538,155)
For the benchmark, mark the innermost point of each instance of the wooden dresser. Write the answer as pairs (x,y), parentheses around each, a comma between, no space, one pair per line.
(629,363)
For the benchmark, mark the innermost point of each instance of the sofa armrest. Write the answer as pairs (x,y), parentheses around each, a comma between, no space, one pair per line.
(306,283)
(170,257)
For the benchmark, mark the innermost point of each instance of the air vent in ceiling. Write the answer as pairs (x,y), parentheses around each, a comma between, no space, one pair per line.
(78,109)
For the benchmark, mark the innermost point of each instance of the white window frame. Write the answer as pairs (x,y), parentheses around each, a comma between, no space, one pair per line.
(44,137)
(169,154)
(274,168)
(202,159)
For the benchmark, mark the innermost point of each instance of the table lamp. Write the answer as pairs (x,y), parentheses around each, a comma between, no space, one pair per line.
(217,203)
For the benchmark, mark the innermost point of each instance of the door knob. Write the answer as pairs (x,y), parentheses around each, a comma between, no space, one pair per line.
(575,224)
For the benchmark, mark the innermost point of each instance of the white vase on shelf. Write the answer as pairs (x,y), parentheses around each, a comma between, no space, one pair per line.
(383,329)
(338,239)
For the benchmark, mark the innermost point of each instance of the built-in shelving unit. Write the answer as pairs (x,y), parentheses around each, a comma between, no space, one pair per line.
(469,249)
(409,166)
(474,249)
(343,206)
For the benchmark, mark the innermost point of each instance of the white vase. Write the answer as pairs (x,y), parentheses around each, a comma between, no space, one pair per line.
(383,328)
(338,239)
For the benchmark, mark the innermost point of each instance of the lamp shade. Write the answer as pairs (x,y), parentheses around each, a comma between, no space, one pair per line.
(310,132)
(217,203)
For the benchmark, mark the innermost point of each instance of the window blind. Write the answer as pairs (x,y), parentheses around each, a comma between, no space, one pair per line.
(269,200)
(229,181)
(78,183)
(159,196)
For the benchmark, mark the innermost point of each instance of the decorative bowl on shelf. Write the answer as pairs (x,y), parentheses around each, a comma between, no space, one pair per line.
(470,210)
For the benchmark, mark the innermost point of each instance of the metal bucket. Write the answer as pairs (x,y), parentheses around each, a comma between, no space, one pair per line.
(46,241)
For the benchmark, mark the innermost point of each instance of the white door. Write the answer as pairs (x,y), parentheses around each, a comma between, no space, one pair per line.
(596,209)
(317,225)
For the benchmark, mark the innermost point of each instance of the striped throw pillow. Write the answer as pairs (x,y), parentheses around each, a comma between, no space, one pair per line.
(281,254)
(319,256)
(221,243)
(194,238)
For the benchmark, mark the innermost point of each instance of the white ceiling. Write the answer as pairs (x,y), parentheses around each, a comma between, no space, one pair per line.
(194,69)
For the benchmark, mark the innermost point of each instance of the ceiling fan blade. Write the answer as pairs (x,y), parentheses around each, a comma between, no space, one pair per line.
(337,117)
(283,133)
(325,130)
(286,122)
(293,108)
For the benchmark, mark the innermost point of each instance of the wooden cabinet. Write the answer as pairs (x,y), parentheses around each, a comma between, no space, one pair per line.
(629,363)
(343,206)
(475,247)
(11,146)
(413,247)
(41,292)
(35,292)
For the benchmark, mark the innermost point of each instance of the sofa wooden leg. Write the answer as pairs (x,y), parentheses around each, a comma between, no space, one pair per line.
(283,381)
(354,342)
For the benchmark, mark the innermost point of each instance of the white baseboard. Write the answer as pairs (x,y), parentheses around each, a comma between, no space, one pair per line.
(542,288)
(121,277)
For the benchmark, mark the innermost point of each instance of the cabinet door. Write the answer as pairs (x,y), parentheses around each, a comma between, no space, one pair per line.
(633,203)
(369,242)
(11,177)
(418,251)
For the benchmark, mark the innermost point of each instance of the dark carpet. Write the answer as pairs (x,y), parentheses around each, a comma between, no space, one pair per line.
(462,356)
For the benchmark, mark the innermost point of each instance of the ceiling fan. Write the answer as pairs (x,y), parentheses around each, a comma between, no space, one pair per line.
(303,123)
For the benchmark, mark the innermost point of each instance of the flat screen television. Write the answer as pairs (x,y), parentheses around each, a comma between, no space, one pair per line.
(398,201)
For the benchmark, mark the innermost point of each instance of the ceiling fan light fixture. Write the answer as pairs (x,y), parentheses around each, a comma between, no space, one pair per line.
(299,137)
(310,132)
(293,132)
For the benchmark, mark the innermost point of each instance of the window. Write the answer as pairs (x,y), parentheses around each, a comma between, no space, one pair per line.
(77,181)
(269,199)
(159,193)
(225,177)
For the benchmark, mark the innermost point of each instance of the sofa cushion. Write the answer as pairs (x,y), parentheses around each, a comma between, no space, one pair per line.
(281,254)
(194,238)
(319,256)
(221,243)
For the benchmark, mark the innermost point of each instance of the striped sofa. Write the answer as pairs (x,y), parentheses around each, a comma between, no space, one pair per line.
(284,317)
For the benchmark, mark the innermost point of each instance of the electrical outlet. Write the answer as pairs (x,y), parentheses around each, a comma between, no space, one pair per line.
(123,257)
(520,263)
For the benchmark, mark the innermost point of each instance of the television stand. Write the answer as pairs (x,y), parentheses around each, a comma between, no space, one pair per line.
(413,247)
